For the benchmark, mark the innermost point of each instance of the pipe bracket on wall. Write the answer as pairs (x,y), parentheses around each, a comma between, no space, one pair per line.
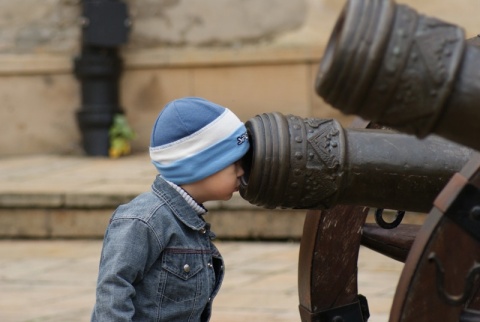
(105,27)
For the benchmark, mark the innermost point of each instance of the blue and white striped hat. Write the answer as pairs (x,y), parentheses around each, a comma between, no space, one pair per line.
(193,138)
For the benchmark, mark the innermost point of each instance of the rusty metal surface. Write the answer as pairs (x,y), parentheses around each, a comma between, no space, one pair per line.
(310,163)
(391,65)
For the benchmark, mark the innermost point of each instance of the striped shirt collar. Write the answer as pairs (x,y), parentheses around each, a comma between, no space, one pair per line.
(199,208)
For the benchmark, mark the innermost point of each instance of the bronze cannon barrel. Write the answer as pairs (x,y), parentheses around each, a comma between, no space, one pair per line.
(310,163)
(391,65)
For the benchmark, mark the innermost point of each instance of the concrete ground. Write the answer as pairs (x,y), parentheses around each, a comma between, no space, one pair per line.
(54,281)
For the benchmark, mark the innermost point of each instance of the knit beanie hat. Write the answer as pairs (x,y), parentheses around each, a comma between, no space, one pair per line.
(193,138)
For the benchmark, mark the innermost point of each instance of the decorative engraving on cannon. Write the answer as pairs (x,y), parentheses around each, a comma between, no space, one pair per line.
(294,161)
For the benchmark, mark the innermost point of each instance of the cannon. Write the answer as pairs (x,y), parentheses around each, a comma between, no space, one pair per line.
(311,163)
(400,70)
(340,173)
(393,66)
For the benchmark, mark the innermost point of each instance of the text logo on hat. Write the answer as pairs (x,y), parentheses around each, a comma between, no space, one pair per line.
(242,138)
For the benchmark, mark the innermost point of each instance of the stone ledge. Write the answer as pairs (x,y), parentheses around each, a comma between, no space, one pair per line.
(191,57)
(35,64)
(96,200)
(76,223)
(253,224)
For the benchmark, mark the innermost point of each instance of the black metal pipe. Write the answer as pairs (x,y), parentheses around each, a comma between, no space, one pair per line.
(391,65)
(98,68)
(316,164)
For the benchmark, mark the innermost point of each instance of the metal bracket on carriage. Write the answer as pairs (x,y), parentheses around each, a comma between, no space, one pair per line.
(461,298)
(460,201)
(354,312)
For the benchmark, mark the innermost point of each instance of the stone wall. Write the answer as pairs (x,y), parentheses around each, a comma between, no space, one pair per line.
(39,26)
(53,26)
(253,56)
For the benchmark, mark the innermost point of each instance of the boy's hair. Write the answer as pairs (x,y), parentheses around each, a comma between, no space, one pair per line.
(194,138)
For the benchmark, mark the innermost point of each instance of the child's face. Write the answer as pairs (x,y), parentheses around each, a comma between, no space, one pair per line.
(220,185)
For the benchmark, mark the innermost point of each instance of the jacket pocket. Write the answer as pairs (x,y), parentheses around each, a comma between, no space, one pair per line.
(183,281)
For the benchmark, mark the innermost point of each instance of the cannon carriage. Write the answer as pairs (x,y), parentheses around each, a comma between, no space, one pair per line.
(415,82)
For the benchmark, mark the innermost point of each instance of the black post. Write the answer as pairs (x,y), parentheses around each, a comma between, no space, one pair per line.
(105,25)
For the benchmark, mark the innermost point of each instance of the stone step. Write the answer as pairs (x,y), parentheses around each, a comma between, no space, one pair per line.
(52,196)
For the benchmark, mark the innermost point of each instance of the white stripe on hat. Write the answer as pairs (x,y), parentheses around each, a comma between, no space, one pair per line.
(221,127)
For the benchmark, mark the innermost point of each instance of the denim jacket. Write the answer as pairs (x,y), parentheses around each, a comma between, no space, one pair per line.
(158,262)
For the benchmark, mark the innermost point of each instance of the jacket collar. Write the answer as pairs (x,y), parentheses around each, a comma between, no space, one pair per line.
(180,207)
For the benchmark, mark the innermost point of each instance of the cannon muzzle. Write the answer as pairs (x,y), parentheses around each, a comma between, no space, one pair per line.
(310,163)
(391,65)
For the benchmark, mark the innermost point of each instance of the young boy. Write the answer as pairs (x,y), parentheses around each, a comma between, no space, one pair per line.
(158,262)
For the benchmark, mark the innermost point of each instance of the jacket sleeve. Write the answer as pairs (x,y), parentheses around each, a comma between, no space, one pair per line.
(130,247)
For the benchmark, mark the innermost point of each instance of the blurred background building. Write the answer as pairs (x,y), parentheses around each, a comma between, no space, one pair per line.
(252,56)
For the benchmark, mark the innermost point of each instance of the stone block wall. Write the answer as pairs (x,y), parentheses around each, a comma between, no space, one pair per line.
(253,56)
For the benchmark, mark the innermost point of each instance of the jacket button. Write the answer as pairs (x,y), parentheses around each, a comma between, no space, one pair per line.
(186,268)
(210,265)
(203,230)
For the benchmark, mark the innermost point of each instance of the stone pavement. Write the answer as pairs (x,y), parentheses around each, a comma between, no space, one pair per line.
(54,281)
